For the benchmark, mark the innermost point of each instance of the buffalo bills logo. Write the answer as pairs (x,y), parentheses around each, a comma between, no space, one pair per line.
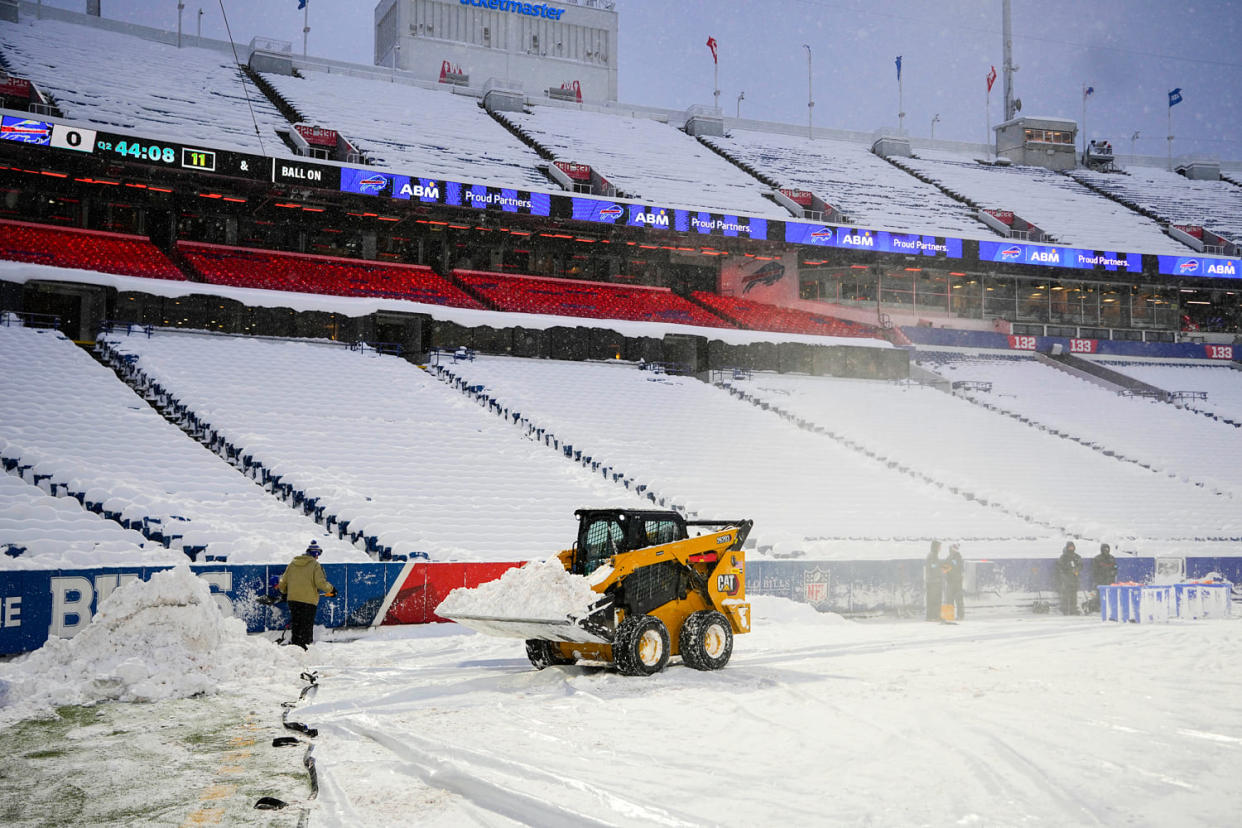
(611,213)
(1188,266)
(26,131)
(373,185)
(1011,254)
(768,275)
(823,233)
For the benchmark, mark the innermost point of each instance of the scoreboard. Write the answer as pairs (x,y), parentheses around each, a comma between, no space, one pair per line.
(167,154)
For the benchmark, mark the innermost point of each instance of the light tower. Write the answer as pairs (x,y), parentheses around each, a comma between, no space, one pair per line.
(1011,104)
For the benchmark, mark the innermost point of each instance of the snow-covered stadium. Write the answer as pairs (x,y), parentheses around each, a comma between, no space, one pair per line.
(252,298)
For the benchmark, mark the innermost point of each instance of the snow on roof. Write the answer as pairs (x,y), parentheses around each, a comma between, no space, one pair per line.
(648,160)
(120,453)
(118,82)
(418,131)
(381,444)
(848,176)
(1216,205)
(1060,206)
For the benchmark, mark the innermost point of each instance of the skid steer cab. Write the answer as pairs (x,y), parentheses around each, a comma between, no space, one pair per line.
(663,592)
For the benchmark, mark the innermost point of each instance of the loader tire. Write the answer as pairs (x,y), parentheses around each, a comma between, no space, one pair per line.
(641,646)
(706,640)
(544,653)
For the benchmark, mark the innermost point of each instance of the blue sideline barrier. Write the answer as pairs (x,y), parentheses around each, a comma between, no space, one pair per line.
(37,603)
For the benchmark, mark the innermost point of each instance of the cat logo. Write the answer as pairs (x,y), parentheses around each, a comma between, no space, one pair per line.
(728,584)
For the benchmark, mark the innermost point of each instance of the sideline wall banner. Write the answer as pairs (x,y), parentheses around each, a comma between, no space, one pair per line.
(35,604)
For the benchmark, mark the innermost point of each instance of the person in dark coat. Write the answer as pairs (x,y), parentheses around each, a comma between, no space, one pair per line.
(1069,567)
(1103,573)
(301,584)
(1104,567)
(952,569)
(933,579)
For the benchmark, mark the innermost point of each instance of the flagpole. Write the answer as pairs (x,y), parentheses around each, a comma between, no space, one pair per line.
(716,82)
(1170,136)
(305,25)
(988,108)
(1084,123)
(901,107)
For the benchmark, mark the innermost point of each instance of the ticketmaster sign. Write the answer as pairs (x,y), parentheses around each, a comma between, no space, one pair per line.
(531,9)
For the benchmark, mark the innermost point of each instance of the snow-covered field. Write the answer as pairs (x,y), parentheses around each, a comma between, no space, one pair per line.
(998,720)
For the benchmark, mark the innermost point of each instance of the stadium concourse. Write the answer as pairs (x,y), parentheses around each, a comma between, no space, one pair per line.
(242,308)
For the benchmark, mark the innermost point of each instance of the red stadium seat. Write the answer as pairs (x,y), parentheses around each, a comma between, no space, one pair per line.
(592,300)
(304,273)
(119,253)
(761,317)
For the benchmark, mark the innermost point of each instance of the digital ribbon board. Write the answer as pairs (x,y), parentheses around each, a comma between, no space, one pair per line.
(399,187)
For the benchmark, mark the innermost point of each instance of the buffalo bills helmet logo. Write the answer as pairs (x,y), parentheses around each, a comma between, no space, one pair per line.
(1188,266)
(611,212)
(1010,254)
(374,184)
(768,275)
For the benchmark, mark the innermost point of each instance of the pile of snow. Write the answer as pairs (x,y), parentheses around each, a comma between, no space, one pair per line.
(539,590)
(165,638)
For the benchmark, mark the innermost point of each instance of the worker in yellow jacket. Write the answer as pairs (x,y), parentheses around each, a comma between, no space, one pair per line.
(301,584)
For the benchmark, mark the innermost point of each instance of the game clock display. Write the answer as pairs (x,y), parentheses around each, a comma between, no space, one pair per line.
(154,152)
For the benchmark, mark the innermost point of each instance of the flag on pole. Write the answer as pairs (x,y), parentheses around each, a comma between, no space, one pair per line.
(898,61)
(991,78)
(301,4)
(1175,96)
(711,44)
(1087,91)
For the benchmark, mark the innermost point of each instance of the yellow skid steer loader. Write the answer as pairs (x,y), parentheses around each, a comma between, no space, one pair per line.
(662,593)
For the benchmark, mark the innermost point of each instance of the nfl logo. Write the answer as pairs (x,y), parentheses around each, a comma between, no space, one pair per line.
(815,585)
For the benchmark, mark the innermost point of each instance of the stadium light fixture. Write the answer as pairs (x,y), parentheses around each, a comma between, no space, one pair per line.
(935,120)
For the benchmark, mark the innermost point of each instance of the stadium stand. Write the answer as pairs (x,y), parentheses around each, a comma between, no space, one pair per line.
(379,445)
(593,300)
(1010,460)
(269,270)
(76,427)
(1138,428)
(84,249)
(763,317)
(122,83)
(450,137)
(848,176)
(1215,205)
(647,160)
(1068,212)
(695,447)
(39,530)
(1221,383)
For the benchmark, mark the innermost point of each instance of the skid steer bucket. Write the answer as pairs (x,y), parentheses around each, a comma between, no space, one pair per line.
(592,627)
